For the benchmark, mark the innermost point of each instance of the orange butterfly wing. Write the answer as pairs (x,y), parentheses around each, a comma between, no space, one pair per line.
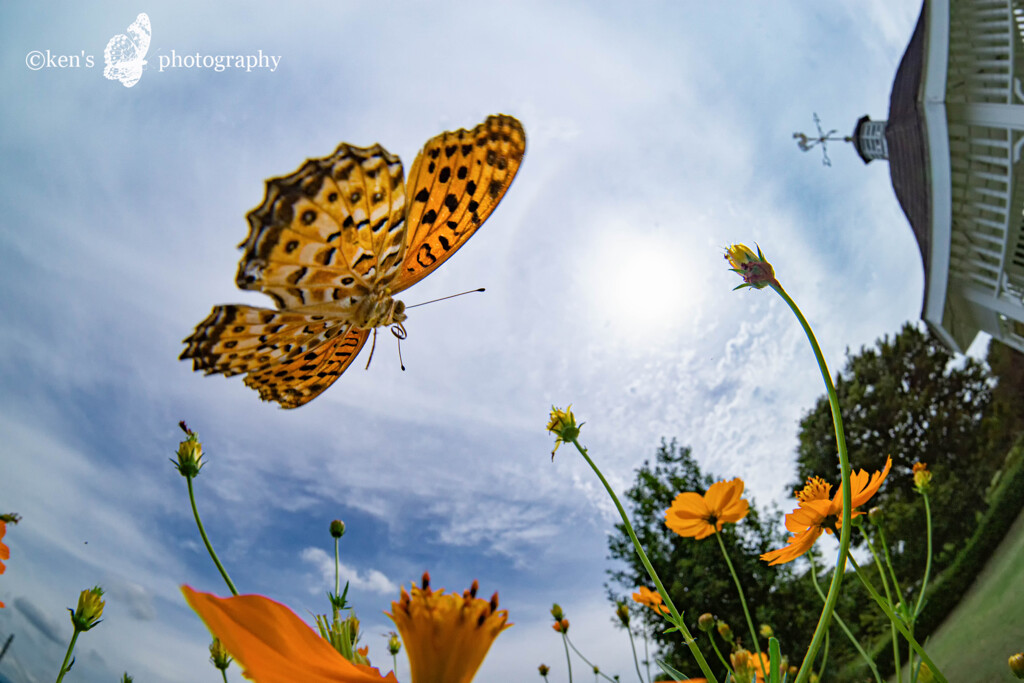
(297,382)
(455,183)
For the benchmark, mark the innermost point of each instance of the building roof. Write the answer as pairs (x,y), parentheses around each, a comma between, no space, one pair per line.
(907,139)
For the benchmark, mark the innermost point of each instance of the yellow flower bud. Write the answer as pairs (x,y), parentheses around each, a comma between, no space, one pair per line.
(544,669)
(724,630)
(1017,665)
(563,425)
(219,656)
(922,477)
(706,622)
(556,612)
(766,631)
(394,644)
(90,609)
(753,268)
(622,612)
(190,456)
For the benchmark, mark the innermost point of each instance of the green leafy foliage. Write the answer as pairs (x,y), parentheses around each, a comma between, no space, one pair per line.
(695,573)
(906,398)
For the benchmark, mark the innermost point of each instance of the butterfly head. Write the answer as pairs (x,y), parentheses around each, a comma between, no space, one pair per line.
(379,309)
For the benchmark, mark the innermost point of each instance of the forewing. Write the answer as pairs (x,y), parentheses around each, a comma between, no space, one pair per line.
(454,184)
(329,231)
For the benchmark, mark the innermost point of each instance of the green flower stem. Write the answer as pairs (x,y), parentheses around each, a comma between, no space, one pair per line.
(743,602)
(888,596)
(888,563)
(898,623)
(928,562)
(337,579)
(67,657)
(224,675)
(718,652)
(568,661)
(647,657)
(587,661)
(206,540)
(636,660)
(843,626)
(677,619)
(844,465)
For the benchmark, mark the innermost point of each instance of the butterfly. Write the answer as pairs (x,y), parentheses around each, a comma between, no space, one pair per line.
(124,56)
(335,240)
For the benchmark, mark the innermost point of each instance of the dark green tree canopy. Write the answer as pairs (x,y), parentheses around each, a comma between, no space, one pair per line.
(906,397)
(694,572)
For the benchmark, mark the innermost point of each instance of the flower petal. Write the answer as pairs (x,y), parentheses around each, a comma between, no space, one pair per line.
(798,545)
(689,505)
(272,644)
(721,493)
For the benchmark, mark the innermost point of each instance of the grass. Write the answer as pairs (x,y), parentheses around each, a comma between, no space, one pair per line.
(974,642)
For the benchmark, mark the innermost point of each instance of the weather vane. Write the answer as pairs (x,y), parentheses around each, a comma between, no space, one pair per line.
(805,142)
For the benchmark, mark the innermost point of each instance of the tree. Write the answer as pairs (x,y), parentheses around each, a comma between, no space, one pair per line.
(906,398)
(695,573)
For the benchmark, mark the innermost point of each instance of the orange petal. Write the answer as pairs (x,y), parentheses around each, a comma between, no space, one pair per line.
(721,493)
(735,511)
(690,528)
(272,644)
(798,545)
(689,505)
(871,488)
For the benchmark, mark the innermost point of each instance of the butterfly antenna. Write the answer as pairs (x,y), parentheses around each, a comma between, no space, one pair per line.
(399,331)
(452,296)
(373,345)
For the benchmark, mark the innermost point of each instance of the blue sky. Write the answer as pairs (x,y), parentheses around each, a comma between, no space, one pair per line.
(657,133)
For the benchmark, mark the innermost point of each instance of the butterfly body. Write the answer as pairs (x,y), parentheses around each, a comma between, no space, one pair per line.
(334,241)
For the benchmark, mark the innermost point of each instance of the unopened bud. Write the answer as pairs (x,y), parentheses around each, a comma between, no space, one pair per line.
(337,528)
(706,622)
(1017,665)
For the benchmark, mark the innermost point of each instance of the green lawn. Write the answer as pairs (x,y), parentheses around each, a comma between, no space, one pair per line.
(972,645)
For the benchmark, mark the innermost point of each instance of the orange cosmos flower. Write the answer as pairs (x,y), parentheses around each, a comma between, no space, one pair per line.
(446,636)
(695,516)
(650,598)
(272,644)
(5,552)
(818,513)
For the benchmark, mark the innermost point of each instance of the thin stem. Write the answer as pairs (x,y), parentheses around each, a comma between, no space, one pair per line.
(588,662)
(928,562)
(844,465)
(888,563)
(718,652)
(206,540)
(647,658)
(568,661)
(677,619)
(842,624)
(337,580)
(888,596)
(743,602)
(67,657)
(224,674)
(636,660)
(900,626)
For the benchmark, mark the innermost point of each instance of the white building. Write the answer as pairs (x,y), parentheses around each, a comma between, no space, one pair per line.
(953,140)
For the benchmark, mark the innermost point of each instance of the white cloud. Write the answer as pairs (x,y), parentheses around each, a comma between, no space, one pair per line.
(372,580)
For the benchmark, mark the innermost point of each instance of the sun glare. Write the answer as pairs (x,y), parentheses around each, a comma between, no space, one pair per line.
(645,286)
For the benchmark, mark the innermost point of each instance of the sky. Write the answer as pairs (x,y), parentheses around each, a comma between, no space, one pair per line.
(657,133)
